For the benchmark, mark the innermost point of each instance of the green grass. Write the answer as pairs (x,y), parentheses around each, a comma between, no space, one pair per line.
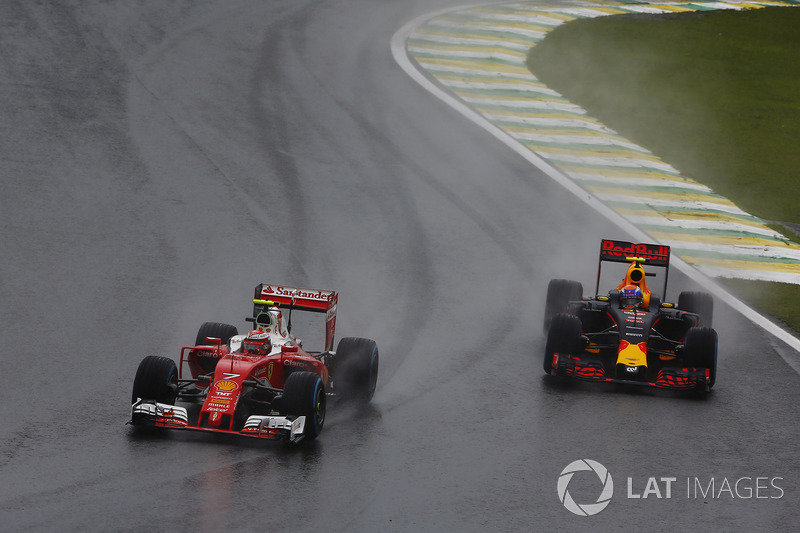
(776,300)
(715,94)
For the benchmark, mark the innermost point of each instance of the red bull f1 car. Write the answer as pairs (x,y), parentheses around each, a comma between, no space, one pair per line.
(261,384)
(629,334)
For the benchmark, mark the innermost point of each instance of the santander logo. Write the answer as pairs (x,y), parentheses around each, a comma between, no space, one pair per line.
(297,293)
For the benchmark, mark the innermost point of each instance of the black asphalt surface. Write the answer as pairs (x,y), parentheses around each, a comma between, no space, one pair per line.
(161,159)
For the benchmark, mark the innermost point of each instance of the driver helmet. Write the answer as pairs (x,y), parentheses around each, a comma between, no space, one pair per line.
(257,342)
(630,296)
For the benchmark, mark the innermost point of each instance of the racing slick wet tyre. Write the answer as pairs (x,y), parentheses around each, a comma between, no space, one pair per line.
(304,395)
(156,379)
(355,369)
(700,351)
(559,293)
(701,303)
(224,332)
(563,337)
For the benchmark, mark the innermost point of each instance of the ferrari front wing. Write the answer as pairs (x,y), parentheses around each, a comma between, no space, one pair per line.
(271,427)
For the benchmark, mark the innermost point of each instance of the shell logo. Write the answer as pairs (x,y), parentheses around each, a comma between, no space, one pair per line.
(226,385)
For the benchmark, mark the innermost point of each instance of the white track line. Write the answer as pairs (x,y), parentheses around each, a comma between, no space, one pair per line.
(398,45)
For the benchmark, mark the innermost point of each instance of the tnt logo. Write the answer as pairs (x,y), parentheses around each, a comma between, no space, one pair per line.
(585,465)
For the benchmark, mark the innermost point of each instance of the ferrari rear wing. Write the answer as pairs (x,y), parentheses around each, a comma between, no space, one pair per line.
(656,255)
(313,300)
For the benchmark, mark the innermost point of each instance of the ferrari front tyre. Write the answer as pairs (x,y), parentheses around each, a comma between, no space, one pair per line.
(223,332)
(700,351)
(304,395)
(559,293)
(355,369)
(563,337)
(700,303)
(156,379)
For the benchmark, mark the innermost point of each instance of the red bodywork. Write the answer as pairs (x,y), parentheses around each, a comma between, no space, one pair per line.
(232,369)
(236,383)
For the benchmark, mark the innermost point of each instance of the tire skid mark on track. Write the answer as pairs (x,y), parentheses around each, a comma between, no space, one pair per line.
(289,33)
(268,79)
(145,90)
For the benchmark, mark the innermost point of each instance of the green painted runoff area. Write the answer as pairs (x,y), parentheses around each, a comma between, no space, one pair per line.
(714,94)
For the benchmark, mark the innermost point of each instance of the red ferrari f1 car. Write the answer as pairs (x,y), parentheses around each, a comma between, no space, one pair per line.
(630,335)
(262,384)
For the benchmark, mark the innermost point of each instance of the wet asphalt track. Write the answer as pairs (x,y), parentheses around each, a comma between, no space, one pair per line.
(160,160)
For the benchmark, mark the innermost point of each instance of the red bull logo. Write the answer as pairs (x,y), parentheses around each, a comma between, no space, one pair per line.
(620,250)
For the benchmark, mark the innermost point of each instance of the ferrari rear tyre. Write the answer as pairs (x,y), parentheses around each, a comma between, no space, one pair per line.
(156,379)
(700,351)
(224,332)
(701,303)
(355,369)
(304,395)
(559,293)
(563,337)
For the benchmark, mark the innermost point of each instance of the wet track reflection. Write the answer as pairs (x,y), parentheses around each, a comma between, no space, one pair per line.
(162,159)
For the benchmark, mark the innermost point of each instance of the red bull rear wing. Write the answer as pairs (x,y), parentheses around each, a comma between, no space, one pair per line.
(648,255)
(624,251)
